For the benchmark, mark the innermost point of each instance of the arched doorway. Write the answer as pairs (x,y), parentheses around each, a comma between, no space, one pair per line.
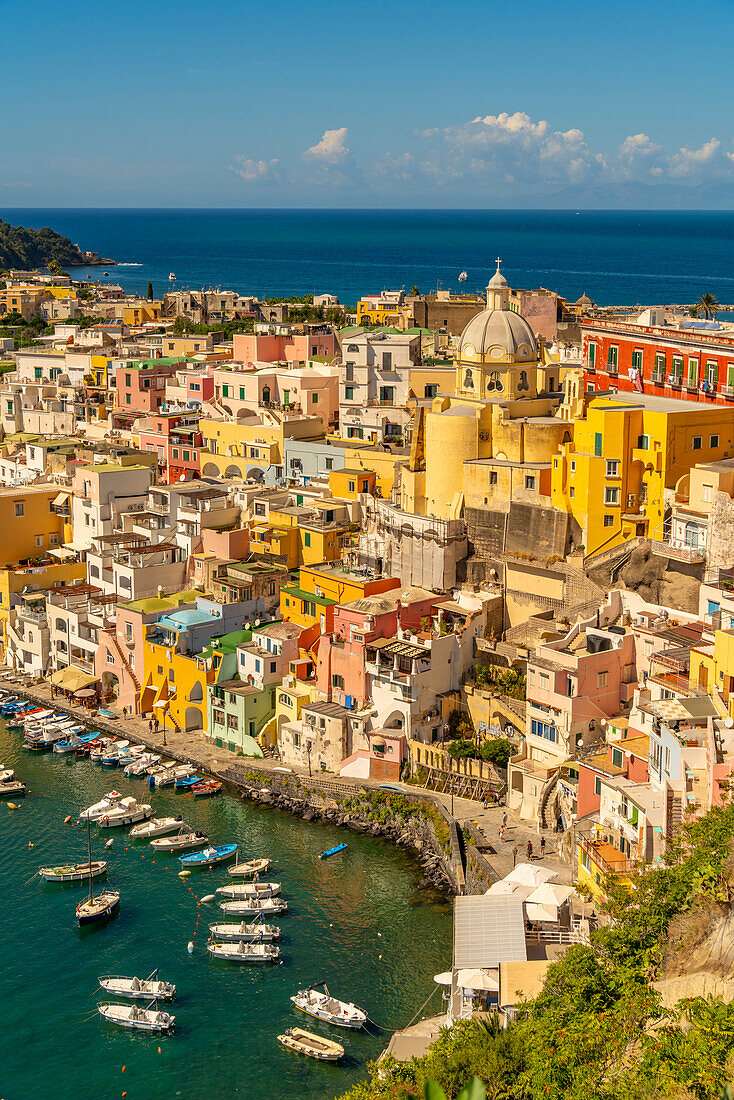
(110,685)
(193,719)
(233,471)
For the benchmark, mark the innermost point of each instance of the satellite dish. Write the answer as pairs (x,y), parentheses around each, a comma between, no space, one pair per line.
(729,723)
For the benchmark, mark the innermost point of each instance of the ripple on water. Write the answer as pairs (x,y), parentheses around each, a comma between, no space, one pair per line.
(52,1042)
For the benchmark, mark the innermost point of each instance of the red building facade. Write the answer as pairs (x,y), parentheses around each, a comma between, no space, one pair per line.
(690,360)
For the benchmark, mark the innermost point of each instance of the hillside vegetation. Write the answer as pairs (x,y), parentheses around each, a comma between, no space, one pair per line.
(31,248)
(601,1028)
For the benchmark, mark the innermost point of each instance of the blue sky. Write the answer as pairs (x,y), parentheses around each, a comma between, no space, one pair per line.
(367,104)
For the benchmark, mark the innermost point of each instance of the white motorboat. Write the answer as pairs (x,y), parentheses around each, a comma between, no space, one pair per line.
(164,778)
(126,812)
(250,933)
(183,841)
(141,1019)
(6,775)
(250,868)
(99,809)
(318,1002)
(106,746)
(243,907)
(250,890)
(141,764)
(73,872)
(139,989)
(172,276)
(157,826)
(244,952)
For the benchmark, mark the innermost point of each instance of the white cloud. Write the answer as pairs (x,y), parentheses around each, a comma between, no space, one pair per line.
(695,163)
(331,148)
(253,170)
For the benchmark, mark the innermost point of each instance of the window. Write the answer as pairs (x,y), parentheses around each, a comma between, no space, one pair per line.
(337,681)
(609,521)
(53,539)
(572,492)
(314,399)
(592,355)
(128,399)
(186,456)
(544,680)
(613,356)
(706,493)
(677,366)
(573,466)
(597,444)
(543,729)
(612,467)
(693,372)
(492,477)
(611,495)
(128,380)
(349,393)
(602,679)
(597,786)
(110,659)
(39,540)
(175,452)
(696,443)
(19,508)
(329,463)
(307,538)
(637,360)
(387,395)
(712,372)
(643,443)
(171,675)
(273,666)
(713,441)
(351,486)
(617,758)
(431,389)
(529,482)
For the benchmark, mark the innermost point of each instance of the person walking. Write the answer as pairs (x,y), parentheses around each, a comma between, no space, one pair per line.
(542,847)
(484,802)
(530,849)
(504,818)
(502,832)
(514,856)
(150,725)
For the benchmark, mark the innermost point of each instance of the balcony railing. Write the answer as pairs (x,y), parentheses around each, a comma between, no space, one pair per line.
(658,377)
(669,549)
(619,867)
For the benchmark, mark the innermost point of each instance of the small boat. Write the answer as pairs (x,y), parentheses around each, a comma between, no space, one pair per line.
(242,952)
(210,856)
(332,851)
(257,932)
(99,809)
(186,782)
(74,741)
(171,276)
(138,989)
(181,842)
(251,867)
(157,826)
(98,908)
(73,872)
(141,764)
(206,788)
(463,276)
(126,812)
(104,905)
(245,907)
(88,749)
(305,1042)
(6,775)
(250,890)
(109,714)
(318,1002)
(14,787)
(141,1019)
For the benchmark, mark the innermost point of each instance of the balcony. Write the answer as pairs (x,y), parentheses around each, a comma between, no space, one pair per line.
(728,391)
(612,370)
(606,857)
(668,548)
(658,378)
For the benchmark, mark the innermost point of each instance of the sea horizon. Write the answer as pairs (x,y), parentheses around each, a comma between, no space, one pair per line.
(617,257)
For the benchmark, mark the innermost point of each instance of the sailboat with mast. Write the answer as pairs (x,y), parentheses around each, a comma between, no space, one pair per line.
(94,909)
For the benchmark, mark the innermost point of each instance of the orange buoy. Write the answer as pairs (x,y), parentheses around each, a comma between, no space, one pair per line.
(123,1069)
(159,1050)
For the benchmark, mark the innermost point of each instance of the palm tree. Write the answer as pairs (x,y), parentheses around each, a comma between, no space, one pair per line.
(709,305)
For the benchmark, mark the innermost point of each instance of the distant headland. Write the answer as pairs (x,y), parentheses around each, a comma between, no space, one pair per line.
(29,249)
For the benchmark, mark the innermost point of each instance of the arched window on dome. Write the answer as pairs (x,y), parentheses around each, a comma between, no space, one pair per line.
(523,384)
(468,380)
(494,382)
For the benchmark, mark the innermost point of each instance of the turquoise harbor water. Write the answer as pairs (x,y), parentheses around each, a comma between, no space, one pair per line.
(356,920)
(616,256)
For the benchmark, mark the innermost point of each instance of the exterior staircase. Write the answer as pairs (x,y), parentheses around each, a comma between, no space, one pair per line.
(124,661)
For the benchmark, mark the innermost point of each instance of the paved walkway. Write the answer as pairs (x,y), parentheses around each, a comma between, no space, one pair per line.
(194,748)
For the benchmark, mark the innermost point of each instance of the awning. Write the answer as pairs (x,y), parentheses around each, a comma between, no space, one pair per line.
(62,552)
(476,978)
(443,979)
(60,499)
(72,679)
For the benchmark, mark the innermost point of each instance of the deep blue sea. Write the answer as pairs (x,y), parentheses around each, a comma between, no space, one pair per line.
(617,257)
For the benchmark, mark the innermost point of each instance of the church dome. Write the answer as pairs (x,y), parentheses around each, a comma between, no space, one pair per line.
(497,335)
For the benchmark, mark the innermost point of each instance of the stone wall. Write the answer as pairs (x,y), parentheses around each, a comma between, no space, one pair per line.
(720,536)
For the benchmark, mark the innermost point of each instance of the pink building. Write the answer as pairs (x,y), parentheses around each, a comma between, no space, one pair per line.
(178,442)
(313,391)
(626,759)
(264,348)
(140,385)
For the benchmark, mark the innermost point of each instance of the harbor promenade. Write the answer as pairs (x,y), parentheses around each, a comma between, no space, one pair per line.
(192,747)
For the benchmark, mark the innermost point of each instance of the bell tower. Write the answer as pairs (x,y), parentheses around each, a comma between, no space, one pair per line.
(498,292)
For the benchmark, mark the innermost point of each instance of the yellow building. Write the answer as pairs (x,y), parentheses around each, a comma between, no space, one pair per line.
(503,406)
(596,860)
(30,523)
(290,698)
(321,587)
(348,483)
(25,300)
(141,313)
(16,578)
(381,309)
(234,447)
(625,453)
